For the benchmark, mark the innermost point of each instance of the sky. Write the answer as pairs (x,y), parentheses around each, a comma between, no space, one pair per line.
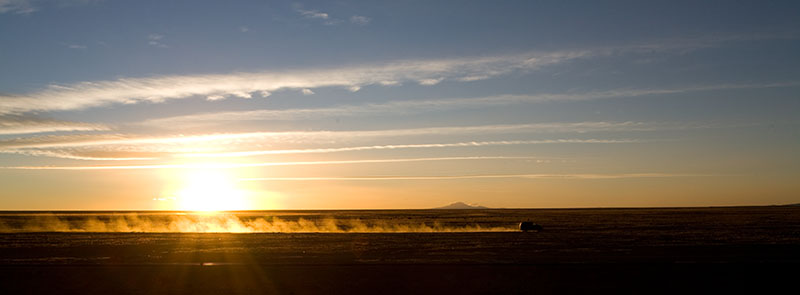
(222,105)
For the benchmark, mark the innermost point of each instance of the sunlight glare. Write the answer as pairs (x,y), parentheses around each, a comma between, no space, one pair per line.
(210,190)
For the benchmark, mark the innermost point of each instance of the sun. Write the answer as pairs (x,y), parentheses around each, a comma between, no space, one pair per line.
(210,190)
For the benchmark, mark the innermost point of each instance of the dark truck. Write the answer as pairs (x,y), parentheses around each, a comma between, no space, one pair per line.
(528,225)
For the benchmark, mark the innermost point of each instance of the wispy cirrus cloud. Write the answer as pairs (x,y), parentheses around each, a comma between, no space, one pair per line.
(123,153)
(264,164)
(407,146)
(156,40)
(31,6)
(483,176)
(326,136)
(432,81)
(360,20)
(121,147)
(77,154)
(17,6)
(76,46)
(152,152)
(417,106)
(30,125)
(587,176)
(689,43)
(313,14)
(423,71)
(161,88)
(319,15)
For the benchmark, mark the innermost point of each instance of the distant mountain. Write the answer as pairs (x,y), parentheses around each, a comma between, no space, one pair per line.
(462,205)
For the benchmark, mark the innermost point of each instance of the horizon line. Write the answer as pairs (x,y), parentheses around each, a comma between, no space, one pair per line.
(3,211)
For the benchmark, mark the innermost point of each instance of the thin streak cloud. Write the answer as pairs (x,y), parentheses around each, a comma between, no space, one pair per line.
(405,146)
(73,155)
(403,107)
(121,147)
(326,136)
(26,125)
(313,14)
(127,153)
(265,164)
(456,177)
(76,46)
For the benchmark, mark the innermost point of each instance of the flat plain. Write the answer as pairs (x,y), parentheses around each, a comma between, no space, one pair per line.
(644,250)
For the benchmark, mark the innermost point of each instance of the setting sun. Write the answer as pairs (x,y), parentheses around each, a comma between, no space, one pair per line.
(210,190)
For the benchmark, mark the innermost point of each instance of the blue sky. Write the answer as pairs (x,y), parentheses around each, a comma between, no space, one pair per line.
(400,104)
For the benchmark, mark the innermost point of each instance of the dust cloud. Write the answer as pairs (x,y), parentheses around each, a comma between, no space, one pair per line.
(220,223)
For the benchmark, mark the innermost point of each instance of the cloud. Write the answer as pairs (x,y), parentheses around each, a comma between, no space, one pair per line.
(473,78)
(360,20)
(588,176)
(264,164)
(409,146)
(30,125)
(76,46)
(17,6)
(417,106)
(430,81)
(30,6)
(685,44)
(156,40)
(244,29)
(489,176)
(242,94)
(313,14)
(80,155)
(389,83)
(328,136)
(328,20)
(118,147)
(160,88)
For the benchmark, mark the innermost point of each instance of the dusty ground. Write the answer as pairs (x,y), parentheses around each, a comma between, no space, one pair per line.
(733,250)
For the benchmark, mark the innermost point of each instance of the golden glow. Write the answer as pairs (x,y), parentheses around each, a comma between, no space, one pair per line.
(211,190)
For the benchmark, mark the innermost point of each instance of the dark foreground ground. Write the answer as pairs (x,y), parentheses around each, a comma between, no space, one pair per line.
(633,251)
